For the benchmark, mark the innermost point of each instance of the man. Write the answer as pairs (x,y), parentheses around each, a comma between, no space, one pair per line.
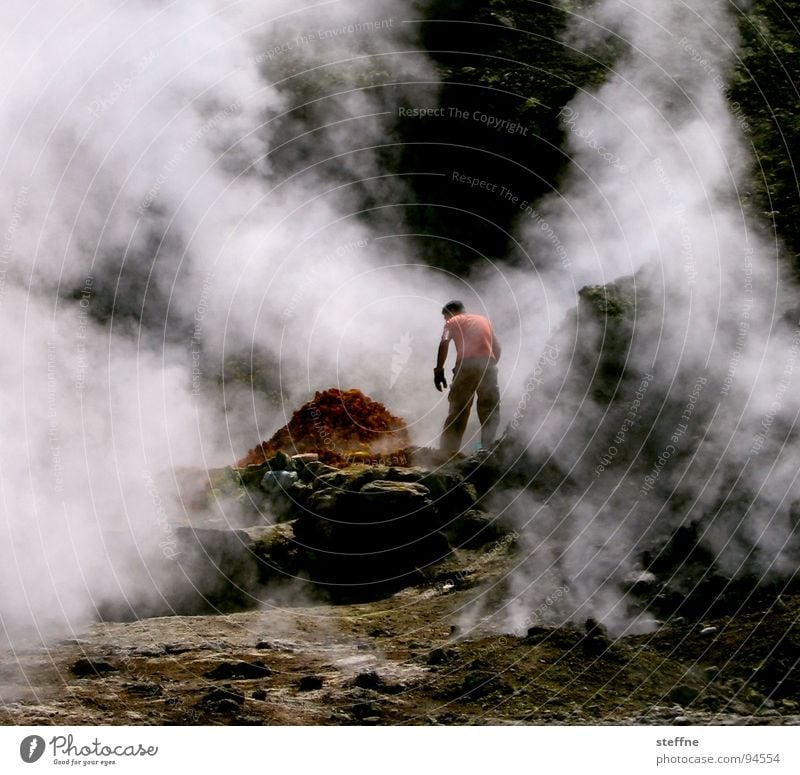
(477,353)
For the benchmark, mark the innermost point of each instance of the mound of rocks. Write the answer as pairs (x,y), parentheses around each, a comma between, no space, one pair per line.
(339,426)
(358,531)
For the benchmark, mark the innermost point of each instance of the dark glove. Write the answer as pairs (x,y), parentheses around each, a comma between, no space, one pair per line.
(438,379)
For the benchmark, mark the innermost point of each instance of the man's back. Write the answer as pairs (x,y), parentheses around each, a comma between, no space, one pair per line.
(472,336)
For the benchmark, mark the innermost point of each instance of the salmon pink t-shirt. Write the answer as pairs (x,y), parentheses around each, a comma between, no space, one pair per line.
(471,334)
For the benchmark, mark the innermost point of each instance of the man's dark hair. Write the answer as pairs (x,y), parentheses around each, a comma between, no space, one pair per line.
(454,306)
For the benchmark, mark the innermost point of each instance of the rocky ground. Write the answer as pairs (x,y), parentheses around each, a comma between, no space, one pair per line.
(273,624)
(401,660)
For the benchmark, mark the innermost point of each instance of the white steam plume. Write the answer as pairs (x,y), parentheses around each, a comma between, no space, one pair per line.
(150,231)
(660,167)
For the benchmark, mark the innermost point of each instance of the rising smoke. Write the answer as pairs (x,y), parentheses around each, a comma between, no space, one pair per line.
(196,190)
(188,209)
(678,407)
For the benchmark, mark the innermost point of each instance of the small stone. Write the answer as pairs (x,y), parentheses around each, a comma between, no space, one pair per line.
(280,461)
(683,695)
(366,710)
(219,697)
(681,721)
(595,629)
(310,683)
(595,643)
(536,634)
(259,694)
(264,644)
(277,482)
(369,679)
(225,706)
(91,668)
(711,702)
(710,630)
(754,697)
(438,656)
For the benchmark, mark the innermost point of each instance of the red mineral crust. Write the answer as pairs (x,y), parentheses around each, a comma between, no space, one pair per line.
(341,426)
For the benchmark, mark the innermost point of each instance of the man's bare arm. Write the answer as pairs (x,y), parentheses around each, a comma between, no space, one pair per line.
(441,355)
(496,349)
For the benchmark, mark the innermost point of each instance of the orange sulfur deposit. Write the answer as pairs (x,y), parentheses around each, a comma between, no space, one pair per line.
(341,426)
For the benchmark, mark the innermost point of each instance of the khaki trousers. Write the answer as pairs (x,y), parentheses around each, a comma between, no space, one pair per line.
(471,377)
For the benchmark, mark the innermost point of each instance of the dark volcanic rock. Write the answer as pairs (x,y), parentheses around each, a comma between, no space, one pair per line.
(280,461)
(284,494)
(683,695)
(359,531)
(369,532)
(225,699)
(278,556)
(309,683)
(366,712)
(596,641)
(369,679)
(92,668)
(250,476)
(566,637)
(439,656)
